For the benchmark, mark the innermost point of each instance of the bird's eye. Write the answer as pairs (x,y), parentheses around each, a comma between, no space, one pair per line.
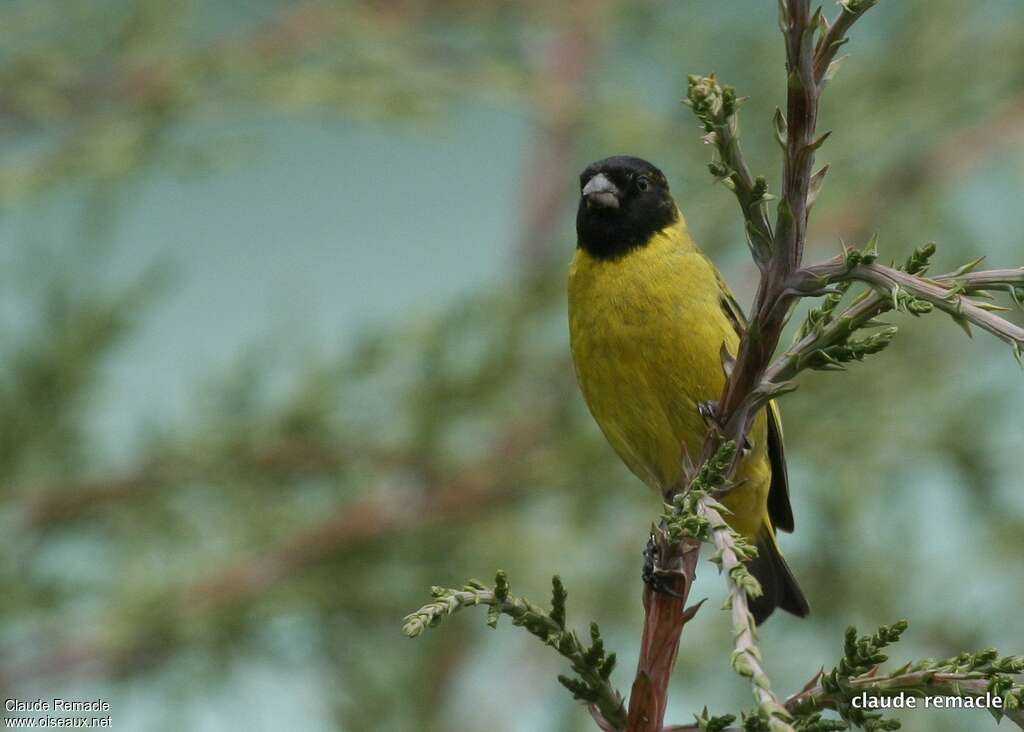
(643,183)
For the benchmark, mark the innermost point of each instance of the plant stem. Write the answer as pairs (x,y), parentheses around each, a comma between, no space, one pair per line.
(943,294)
(742,395)
(746,657)
(665,616)
(920,683)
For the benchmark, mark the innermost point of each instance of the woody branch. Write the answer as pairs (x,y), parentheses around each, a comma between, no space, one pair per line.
(778,253)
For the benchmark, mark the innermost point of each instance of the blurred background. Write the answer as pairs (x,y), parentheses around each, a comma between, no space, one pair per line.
(284,344)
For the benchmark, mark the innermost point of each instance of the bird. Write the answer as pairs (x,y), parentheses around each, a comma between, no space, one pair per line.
(649,317)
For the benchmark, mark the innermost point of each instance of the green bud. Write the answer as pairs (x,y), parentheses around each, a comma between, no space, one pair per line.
(501,586)
(916,306)
(918,261)
(558,597)
(728,101)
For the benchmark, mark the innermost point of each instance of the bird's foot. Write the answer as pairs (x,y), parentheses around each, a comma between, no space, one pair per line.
(709,411)
(654,575)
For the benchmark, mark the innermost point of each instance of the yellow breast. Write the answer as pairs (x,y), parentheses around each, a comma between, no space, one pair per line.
(647,331)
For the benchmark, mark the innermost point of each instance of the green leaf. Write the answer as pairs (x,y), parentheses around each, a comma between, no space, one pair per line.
(833,69)
(781,128)
(817,181)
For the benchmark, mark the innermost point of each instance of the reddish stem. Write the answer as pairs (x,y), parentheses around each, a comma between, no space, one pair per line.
(663,624)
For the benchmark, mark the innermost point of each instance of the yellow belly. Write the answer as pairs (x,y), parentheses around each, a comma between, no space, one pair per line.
(647,331)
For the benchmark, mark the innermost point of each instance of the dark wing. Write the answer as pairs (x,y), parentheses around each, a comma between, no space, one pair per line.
(779,509)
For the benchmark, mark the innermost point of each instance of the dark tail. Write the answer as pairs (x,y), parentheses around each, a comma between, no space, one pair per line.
(778,584)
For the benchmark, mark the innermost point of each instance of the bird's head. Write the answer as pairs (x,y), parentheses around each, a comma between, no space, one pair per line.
(623,202)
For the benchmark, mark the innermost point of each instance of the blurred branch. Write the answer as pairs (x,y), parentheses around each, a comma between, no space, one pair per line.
(52,504)
(106,110)
(482,487)
(486,486)
(558,104)
(110,106)
(123,76)
(69,333)
(947,160)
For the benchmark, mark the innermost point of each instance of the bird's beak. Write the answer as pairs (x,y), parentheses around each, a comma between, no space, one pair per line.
(601,193)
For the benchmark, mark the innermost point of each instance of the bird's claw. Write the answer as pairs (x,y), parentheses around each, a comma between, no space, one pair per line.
(655,576)
(709,411)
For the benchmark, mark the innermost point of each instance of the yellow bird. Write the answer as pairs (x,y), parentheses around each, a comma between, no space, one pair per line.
(648,317)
